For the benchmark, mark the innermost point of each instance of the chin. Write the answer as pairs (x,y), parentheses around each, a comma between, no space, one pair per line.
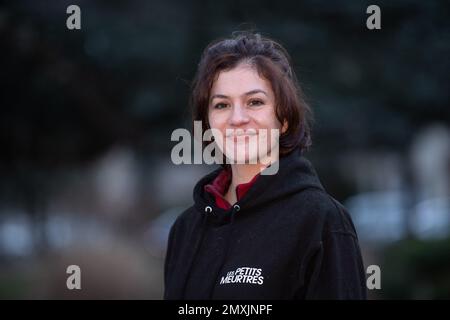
(242,157)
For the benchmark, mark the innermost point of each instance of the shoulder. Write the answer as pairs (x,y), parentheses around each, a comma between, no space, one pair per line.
(185,221)
(319,210)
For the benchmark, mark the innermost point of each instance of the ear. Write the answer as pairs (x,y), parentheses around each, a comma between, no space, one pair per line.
(285,127)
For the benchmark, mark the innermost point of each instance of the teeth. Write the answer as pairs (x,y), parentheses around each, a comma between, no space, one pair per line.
(240,132)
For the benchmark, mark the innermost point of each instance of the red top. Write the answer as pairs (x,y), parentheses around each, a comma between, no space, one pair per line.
(219,186)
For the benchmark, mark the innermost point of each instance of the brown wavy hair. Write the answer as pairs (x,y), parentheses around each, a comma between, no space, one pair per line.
(273,63)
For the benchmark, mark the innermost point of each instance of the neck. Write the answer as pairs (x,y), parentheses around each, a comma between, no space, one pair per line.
(243,173)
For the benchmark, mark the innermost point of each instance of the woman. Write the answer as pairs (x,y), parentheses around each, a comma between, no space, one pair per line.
(253,234)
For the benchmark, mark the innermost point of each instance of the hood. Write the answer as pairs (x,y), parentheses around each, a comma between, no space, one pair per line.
(295,174)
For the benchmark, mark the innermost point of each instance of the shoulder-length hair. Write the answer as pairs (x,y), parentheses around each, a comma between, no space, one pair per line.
(272,63)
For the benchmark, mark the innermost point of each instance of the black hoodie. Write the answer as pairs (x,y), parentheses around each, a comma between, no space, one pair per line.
(285,239)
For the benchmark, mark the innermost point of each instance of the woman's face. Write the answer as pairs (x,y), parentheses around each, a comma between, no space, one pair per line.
(242,109)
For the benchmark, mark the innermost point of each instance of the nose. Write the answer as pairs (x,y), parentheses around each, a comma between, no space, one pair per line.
(238,116)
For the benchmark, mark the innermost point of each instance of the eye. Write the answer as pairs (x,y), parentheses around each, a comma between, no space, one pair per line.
(220,105)
(256,102)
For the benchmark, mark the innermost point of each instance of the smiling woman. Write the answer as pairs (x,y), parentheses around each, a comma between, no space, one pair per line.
(251,235)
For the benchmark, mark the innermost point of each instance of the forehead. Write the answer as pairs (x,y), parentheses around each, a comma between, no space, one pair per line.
(240,79)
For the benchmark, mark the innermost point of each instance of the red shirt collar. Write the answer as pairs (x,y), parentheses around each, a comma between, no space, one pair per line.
(219,186)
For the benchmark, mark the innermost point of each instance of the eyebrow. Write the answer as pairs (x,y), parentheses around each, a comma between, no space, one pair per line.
(249,93)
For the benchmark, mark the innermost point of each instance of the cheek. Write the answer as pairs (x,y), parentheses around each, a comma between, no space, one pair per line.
(276,123)
(210,120)
(270,120)
(212,123)
(216,121)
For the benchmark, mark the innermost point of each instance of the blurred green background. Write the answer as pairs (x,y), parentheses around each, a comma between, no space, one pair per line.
(86,117)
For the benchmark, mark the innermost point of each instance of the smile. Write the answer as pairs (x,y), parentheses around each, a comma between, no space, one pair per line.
(240,133)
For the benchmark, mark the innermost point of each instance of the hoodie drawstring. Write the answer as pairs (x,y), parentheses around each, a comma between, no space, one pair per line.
(236,208)
(208,211)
